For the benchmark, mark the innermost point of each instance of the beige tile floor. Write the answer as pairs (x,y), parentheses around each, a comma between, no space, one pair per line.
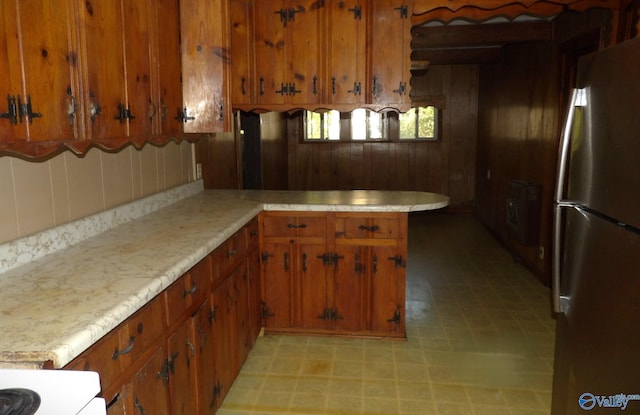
(480,342)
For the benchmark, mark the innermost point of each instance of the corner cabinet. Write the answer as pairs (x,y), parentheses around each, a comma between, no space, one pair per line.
(334,273)
(390,75)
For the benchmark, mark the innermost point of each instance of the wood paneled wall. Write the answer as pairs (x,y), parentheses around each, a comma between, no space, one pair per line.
(521,105)
(446,166)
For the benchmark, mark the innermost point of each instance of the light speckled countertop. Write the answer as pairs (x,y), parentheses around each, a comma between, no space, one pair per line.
(57,305)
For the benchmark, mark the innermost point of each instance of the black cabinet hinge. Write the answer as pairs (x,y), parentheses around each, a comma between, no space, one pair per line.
(398,261)
(266,313)
(25,110)
(264,257)
(330,314)
(12,110)
(397,317)
(357,12)
(404,11)
(402,89)
(124,114)
(330,258)
(183,116)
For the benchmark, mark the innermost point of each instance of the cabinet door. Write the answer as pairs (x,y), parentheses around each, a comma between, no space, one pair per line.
(139,101)
(147,392)
(255,310)
(205,65)
(390,55)
(242,79)
(167,65)
(103,58)
(225,338)
(347,45)
(387,299)
(350,287)
(304,51)
(241,297)
(270,26)
(149,386)
(277,287)
(205,349)
(312,278)
(181,352)
(39,70)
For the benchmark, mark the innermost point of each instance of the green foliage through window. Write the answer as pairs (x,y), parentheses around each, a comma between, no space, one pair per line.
(419,123)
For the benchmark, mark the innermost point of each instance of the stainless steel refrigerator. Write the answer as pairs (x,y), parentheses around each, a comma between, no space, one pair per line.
(596,284)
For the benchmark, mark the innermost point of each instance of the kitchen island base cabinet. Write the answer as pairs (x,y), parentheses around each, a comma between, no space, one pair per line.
(334,273)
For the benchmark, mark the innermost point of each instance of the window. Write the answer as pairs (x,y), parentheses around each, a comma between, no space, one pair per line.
(419,123)
(365,125)
(322,125)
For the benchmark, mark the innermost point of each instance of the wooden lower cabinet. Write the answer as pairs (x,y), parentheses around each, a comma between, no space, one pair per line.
(147,391)
(181,352)
(349,279)
(181,355)
(205,345)
(224,324)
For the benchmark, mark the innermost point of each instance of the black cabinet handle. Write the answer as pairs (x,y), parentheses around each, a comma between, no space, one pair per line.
(117,353)
(294,226)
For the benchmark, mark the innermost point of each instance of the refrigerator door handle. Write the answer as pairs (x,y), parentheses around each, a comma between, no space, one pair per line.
(560,302)
(563,157)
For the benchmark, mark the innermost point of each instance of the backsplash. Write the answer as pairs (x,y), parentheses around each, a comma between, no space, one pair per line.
(40,196)
(30,248)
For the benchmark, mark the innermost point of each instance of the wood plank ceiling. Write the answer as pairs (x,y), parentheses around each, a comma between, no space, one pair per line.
(472,43)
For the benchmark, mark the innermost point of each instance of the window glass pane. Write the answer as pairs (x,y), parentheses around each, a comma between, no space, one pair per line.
(376,126)
(314,125)
(359,124)
(427,122)
(332,125)
(408,124)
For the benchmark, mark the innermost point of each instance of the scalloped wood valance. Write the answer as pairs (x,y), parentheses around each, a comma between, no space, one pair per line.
(481,10)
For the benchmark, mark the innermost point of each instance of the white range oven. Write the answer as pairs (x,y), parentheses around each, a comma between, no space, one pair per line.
(50,392)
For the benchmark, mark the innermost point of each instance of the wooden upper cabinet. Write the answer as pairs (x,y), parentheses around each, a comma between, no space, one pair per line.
(132,76)
(206,62)
(38,63)
(347,50)
(288,51)
(103,60)
(140,102)
(243,82)
(390,55)
(269,51)
(167,67)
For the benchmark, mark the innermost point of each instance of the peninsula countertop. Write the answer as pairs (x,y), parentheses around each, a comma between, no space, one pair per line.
(56,306)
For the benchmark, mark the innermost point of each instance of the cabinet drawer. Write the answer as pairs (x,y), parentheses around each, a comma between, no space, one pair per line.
(294,226)
(118,349)
(141,330)
(227,255)
(99,358)
(367,227)
(190,289)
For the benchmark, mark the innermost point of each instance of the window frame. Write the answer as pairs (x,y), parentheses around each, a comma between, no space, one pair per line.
(391,129)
